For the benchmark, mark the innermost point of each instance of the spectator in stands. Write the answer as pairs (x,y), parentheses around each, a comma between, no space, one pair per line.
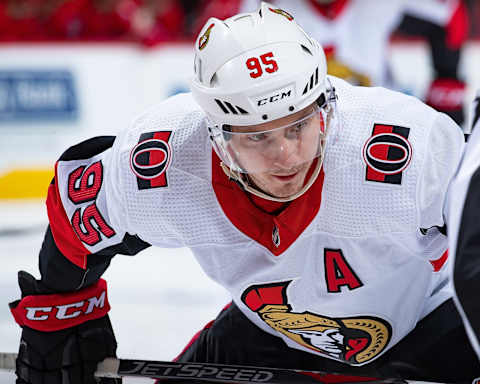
(201,10)
(109,19)
(157,21)
(67,20)
(21,20)
(92,20)
(147,21)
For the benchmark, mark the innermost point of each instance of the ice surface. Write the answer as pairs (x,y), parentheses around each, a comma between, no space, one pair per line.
(160,298)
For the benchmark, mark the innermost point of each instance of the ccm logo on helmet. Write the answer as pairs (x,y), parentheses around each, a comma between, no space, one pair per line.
(150,159)
(274,98)
(66,311)
(387,153)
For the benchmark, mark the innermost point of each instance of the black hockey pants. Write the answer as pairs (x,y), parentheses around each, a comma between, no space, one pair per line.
(436,350)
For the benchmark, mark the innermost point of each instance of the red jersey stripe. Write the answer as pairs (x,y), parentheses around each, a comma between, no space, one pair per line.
(65,238)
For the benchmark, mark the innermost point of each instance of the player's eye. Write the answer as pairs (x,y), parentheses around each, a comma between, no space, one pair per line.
(257,137)
(296,130)
(298,127)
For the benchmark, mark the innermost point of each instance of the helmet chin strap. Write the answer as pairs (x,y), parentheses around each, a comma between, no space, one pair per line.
(243,181)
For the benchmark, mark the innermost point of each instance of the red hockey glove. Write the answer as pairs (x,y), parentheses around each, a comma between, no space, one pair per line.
(64,336)
(447,95)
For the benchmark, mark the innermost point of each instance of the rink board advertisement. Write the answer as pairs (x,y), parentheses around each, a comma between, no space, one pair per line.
(54,95)
(37,95)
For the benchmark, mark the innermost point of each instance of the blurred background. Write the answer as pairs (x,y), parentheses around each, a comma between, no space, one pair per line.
(73,69)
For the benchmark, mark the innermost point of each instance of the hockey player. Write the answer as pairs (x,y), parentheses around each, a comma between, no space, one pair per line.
(319,208)
(463,212)
(355,36)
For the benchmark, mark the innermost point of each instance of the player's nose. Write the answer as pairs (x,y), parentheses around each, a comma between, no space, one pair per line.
(285,153)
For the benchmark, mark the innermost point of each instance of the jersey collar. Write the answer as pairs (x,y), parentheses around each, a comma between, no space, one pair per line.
(276,232)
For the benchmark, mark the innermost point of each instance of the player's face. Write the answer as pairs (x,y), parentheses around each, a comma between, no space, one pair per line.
(276,159)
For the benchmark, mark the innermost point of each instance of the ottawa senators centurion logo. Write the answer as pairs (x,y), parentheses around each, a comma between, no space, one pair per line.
(150,159)
(355,340)
(282,12)
(202,42)
(387,153)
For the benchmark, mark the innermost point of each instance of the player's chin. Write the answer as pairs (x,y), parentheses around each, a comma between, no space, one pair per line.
(285,188)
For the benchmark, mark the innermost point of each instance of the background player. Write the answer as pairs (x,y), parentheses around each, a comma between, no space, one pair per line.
(463,211)
(355,35)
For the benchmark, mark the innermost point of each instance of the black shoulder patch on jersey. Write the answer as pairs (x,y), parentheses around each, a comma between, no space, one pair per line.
(387,153)
(150,159)
(88,148)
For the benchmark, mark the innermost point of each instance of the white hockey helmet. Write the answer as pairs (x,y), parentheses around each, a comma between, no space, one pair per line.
(256,67)
(252,69)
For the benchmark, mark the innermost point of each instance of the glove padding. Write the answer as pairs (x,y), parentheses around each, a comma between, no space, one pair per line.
(66,356)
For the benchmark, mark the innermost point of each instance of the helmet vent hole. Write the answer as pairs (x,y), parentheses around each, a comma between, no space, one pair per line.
(306,49)
(291,108)
(246,20)
(214,80)
(227,108)
(198,69)
(265,117)
(241,17)
(312,83)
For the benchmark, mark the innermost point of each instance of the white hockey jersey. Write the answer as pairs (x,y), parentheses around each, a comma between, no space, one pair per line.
(345,271)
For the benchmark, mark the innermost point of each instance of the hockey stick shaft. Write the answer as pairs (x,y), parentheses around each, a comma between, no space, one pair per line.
(215,373)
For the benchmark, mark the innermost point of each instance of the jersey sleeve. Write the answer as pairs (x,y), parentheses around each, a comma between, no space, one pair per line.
(442,154)
(82,200)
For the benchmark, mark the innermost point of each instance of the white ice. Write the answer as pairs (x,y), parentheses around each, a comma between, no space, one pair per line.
(160,298)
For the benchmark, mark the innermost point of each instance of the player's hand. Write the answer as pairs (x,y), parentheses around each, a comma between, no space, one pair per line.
(59,356)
